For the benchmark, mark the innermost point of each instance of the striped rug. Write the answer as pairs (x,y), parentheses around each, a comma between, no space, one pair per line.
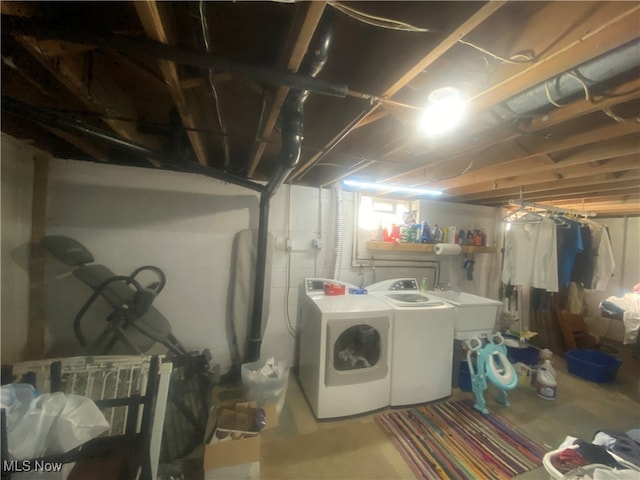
(452,440)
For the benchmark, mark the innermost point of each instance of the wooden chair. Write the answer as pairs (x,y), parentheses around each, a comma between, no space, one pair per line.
(575,333)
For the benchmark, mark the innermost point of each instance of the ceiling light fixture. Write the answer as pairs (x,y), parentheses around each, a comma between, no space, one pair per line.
(392,188)
(444,112)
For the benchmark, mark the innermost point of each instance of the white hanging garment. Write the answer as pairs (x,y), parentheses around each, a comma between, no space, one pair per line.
(604,264)
(545,259)
(520,245)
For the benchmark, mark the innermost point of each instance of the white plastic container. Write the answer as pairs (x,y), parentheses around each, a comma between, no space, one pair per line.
(546,383)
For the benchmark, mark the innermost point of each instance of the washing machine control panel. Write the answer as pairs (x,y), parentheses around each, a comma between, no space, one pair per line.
(404,285)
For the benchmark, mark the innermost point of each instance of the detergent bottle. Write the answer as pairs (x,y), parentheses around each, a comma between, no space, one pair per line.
(546,383)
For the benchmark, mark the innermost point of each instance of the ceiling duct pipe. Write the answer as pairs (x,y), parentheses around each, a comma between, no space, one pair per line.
(291,123)
(151,48)
(71,125)
(572,83)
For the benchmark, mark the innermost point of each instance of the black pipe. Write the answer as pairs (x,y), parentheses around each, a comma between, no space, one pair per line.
(148,47)
(56,120)
(291,120)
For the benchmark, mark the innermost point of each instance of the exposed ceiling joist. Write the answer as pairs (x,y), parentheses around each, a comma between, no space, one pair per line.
(586,44)
(449,41)
(304,25)
(567,142)
(557,188)
(486,163)
(98,94)
(556,174)
(157,22)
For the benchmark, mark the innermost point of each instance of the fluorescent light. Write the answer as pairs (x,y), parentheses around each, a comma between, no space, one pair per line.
(392,188)
(445,111)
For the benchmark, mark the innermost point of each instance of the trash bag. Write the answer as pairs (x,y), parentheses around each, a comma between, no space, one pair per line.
(48,424)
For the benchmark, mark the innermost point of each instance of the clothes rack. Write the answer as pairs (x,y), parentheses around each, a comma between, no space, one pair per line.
(552,209)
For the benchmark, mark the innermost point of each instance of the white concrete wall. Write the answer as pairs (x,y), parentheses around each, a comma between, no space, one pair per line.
(16,164)
(186,224)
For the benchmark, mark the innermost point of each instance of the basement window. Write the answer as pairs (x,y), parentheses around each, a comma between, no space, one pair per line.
(374,213)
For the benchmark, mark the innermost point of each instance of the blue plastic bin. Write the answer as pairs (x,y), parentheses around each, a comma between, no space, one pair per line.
(592,365)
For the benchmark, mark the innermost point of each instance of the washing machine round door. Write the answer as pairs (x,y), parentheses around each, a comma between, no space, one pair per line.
(356,350)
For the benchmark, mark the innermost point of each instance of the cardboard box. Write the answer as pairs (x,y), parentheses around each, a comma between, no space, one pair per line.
(234,441)
(244,471)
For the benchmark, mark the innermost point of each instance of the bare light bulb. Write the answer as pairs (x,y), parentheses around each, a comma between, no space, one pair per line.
(445,111)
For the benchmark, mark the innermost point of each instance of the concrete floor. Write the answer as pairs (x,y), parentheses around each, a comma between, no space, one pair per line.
(302,448)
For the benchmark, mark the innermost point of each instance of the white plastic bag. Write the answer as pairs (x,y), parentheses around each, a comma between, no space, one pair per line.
(79,421)
(50,423)
(28,437)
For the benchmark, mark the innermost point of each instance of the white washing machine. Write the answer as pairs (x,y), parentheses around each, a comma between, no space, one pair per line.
(343,363)
(422,347)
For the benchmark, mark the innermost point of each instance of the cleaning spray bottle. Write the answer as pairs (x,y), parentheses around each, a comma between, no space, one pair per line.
(546,383)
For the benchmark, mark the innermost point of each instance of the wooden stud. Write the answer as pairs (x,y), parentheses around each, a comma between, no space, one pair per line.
(35,347)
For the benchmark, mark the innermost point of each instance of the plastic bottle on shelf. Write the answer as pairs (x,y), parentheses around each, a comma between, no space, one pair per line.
(418,228)
(462,237)
(423,286)
(445,234)
(436,235)
(425,236)
(477,239)
(469,240)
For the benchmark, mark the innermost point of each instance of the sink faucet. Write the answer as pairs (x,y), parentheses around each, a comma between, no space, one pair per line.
(443,287)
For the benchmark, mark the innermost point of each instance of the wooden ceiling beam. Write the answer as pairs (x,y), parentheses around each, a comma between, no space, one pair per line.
(615,96)
(557,174)
(624,198)
(587,42)
(99,95)
(304,25)
(604,150)
(430,57)
(490,162)
(557,189)
(537,175)
(158,23)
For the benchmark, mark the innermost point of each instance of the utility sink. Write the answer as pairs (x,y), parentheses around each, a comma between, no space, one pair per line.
(475,315)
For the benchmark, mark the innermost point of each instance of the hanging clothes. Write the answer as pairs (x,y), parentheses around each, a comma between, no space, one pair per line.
(545,269)
(520,241)
(569,245)
(582,272)
(604,263)
(529,258)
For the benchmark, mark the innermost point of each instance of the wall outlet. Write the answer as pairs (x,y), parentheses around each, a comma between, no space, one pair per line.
(283,244)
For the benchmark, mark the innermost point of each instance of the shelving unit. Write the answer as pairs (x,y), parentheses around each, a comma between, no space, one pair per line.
(420,247)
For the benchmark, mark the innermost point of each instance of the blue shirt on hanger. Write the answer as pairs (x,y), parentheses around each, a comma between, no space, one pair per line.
(569,245)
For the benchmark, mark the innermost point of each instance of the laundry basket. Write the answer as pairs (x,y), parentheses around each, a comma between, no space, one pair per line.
(585,471)
(266,382)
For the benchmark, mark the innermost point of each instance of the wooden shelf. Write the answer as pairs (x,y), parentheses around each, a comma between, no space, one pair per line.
(420,247)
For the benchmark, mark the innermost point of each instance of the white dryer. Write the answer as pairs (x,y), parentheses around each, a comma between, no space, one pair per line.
(422,345)
(343,364)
